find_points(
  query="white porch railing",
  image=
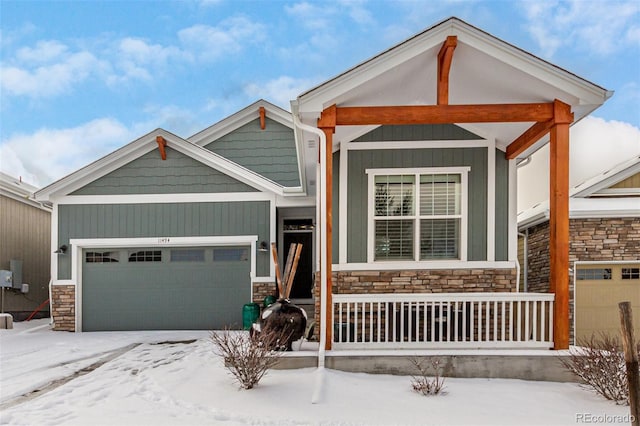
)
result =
(443, 320)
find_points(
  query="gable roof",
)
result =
(485, 70)
(143, 145)
(582, 204)
(18, 190)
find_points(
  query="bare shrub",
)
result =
(599, 363)
(424, 383)
(248, 358)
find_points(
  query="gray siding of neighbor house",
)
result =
(424, 132)
(502, 206)
(359, 161)
(270, 152)
(25, 234)
(163, 220)
(150, 174)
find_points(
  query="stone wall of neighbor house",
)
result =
(262, 290)
(599, 239)
(63, 307)
(418, 281)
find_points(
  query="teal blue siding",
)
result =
(417, 132)
(335, 218)
(270, 152)
(502, 206)
(150, 174)
(163, 220)
(359, 161)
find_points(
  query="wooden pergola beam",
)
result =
(445, 57)
(442, 114)
(561, 115)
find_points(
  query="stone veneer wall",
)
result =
(262, 290)
(598, 239)
(418, 281)
(63, 307)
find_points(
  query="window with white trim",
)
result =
(417, 215)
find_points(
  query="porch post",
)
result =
(559, 232)
(327, 123)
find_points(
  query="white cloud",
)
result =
(209, 43)
(44, 51)
(48, 80)
(279, 91)
(596, 146)
(595, 26)
(49, 154)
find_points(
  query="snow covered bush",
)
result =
(424, 383)
(248, 358)
(599, 363)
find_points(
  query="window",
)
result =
(594, 274)
(418, 215)
(187, 255)
(145, 256)
(102, 257)
(631, 273)
(230, 254)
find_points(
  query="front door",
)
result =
(303, 280)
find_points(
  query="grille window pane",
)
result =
(440, 195)
(394, 195)
(102, 257)
(187, 255)
(439, 239)
(394, 239)
(594, 274)
(146, 256)
(230, 254)
(631, 273)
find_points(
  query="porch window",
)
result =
(417, 214)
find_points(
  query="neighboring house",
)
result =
(25, 240)
(413, 219)
(604, 248)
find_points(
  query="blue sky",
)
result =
(82, 78)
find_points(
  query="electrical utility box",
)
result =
(16, 267)
(6, 279)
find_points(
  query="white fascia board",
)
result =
(100, 167)
(609, 178)
(323, 95)
(587, 92)
(239, 119)
(472, 143)
(163, 241)
(302, 201)
(221, 197)
(25, 199)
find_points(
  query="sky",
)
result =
(79, 79)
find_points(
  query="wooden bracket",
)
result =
(445, 56)
(263, 121)
(162, 144)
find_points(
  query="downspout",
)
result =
(323, 236)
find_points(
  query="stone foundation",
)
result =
(262, 290)
(419, 281)
(63, 307)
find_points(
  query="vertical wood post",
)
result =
(559, 232)
(631, 360)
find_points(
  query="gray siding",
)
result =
(502, 206)
(270, 152)
(417, 132)
(163, 220)
(150, 174)
(335, 218)
(359, 161)
(25, 234)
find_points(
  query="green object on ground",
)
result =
(269, 300)
(250, 314)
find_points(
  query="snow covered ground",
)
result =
(144, 378)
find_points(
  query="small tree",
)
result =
(248, 358)
(426, 384)
(599, 363)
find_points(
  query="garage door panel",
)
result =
(164, 295)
